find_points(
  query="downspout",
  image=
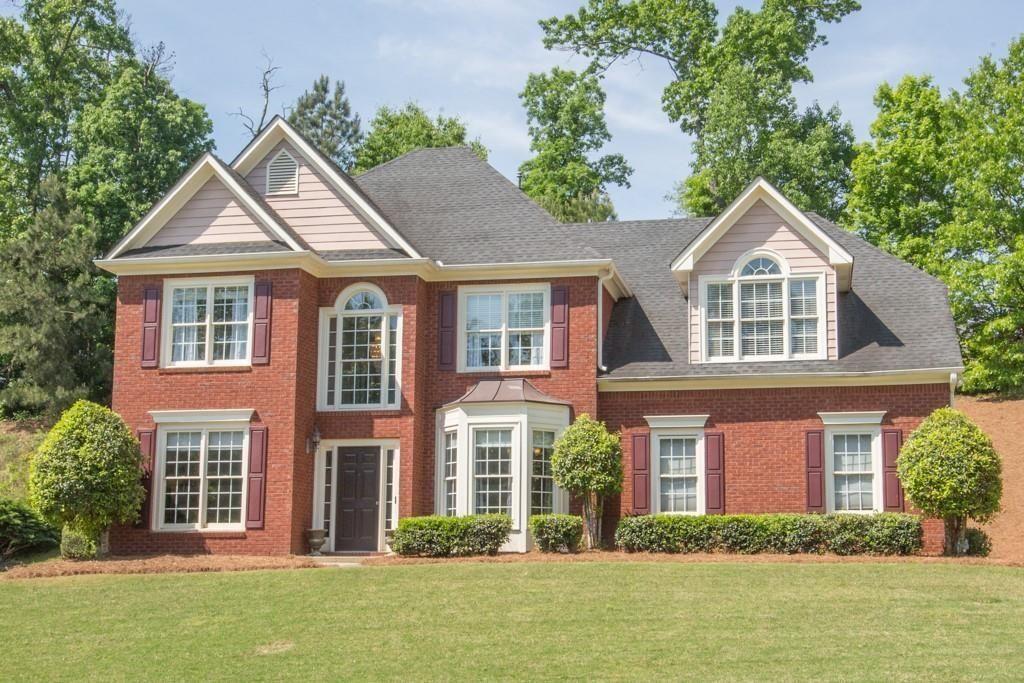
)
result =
(954, 379)
(603, 277)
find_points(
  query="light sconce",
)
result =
(313, 441)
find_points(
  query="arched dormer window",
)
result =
(283, 174)
(762, 311)
(360, 361)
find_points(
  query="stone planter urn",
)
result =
(316, 538)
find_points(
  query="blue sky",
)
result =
(471, 58)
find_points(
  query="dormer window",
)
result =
(283, 174)
(763, 311)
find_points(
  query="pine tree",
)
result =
(327, 120)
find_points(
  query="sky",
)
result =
(470, 58)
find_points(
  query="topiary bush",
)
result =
(949, 469)
(557, 533)
(87, 471)
(22, 529)
(437, 536)
(587, 462)
(77, 545)
(843, 534)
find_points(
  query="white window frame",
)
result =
(554, 487)
(734, 279)
(665, 427)
(167, 332)
(445, 510)
(337, 311)
(503, 290)
(869, 423)
(290, 193)
(163, 429)
(319, 473)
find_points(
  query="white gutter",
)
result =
(780, 379)
(600, 318)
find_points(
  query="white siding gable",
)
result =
(212, 215)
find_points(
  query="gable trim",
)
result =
(761, 189)
(205, 168)
(278, 129)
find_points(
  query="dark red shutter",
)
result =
(714, 473)
(816, 471)
(147, 447)
(261, 323)
(641, 474)
(892, 490)
(560, 326)
(151, 327)
(446, 330)
(257, 478)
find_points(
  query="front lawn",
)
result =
(623, 620)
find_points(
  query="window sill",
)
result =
(190, 369)
(359, 409)
(219, 533)
(538, 372)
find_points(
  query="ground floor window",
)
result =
(542, 487)
(492, 471)
(450, 473)
(390, 510)
(677, 474)
(853, 472)
(203, 478)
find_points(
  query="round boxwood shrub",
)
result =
(76, 544)
(86, 474)
(557, 533)
(22, 529)
(949, 469)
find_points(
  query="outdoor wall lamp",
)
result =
(313, 441)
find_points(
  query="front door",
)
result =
(358, 520)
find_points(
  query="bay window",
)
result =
(762, 312)
(207, 322)
(504, 328)
(542, 486)
(492, 471)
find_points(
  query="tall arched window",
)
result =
(361, 358)
(762, 311)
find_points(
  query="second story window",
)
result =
(763, 312)
(208, 322)
(360, 361)
(504, 328)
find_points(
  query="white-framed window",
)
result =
(677, 464)
(450, 472)
(328, 491)
(360, 357)
(283, 174)
(492, 471)
(762, 311)
(853, 461)
(504, 327)
(390, 500)
(202, 476)
(542, 484)
(207, 321)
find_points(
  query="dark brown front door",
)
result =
(358, 498)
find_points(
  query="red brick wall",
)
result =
(765, 468)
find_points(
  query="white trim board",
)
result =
(867, 417)
(777, 380)
(201, 416)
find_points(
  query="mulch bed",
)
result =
(159, 564)
(689, 558)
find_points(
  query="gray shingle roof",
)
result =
(894, 318)
(457, 209)
(362, 254)
(206, 249)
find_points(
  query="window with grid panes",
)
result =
(209, 324)
(362, 354)
(677, 474)
(542, 485)
(203, 478)
(504, 329)
(492, 471)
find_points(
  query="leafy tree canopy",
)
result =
(394, 132)
(326, 118)
(565, 114)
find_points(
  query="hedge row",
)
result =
(437, 536)
(842, 534)
(557, 533)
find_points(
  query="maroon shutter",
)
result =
(257, 477)
(446, 330)
(816, 471)
(261, 324)
(147, 447)
(892, 490)
(151, 327)
(641, 474)
(714, 472)
(560, 326)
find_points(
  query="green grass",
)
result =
(17, 441)
(626, 621)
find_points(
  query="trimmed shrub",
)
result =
(978, 543)
(77, 545)
(843, 534)
(587, 462)
(21, 529)
(436, 536)
(557, 533)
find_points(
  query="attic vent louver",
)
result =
(283, 174)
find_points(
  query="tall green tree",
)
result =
(731, 89)
(393, 132)
(130, 146)
(326, 118)
(55, 59)
(55, 312)
(566, 122)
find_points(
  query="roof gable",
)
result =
(195, 179)
(762, 191)
(279, 130)
(211, 216)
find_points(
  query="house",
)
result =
(297, 349)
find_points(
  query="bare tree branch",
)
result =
(267, 87)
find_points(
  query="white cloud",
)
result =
(498, 130)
